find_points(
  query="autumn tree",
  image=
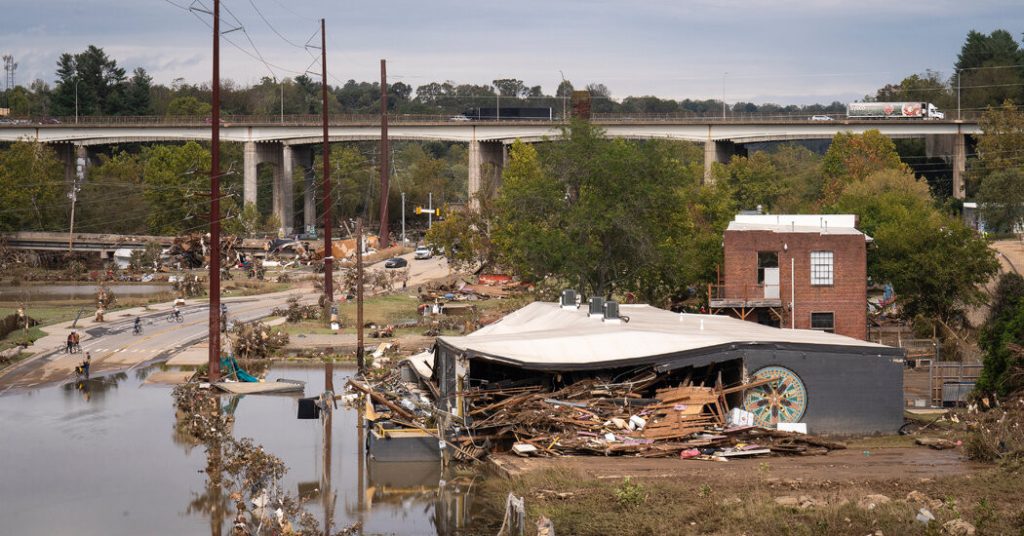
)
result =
(176, 182)
(852, 157)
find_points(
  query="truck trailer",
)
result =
(893, 110)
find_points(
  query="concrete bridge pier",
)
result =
(275, 154)
(302, 158)
(716, 151)
(76, 161)
(953, 150)
(486, 162)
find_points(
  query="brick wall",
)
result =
(846, 297)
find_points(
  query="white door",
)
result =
(771, 283)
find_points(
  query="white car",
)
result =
(423, 252)
(820, 118)
(460, 117)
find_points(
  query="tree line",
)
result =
(988, 71)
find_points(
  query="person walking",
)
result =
(71, 342)
(86, 364)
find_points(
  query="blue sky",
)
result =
(783, 51)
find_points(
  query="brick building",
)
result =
(803, 271)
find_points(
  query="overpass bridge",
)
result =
(286, 142)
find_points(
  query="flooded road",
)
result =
(103, 457)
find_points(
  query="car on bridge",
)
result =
(820, 118)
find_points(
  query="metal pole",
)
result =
(214, 327)
(328, 247)
(360, 365)
(76, 99)
(723, 94)
(71, 231)
(792, 293)
(430, 207)
(403, 218)
(384, 231)
(958, 95)
(282, 102)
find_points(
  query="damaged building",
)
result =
(832, 383)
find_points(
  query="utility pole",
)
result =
(360, 365)
(430, 207)
(403, 218)
(282, 102)
(74, 197)
(214, 328)
(328, 248)
(384, 231)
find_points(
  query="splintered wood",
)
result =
(682, 411)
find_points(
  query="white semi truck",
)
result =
(893, 110)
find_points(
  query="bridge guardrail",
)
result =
(374, 119)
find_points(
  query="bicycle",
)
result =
(172, 318)
(137, 329)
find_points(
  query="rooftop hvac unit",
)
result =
(568, 299)
(611, 312)
(596, 309)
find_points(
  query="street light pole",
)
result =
(958, 94)
(723, 94)
(77, 79)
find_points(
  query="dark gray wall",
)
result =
(846, 393)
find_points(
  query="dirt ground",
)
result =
(862, 490)
(858, 464)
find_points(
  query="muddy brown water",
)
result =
(103, 458)
(66, 292)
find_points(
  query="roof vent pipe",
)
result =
(596, 307)
(568, 299)
(611, 312)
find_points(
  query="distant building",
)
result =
(802, 271)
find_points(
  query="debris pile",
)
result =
(254, 340)
(295, 312)
(593, 416)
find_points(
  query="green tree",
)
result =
(177, 188)
(1003, 330)
(99, 82)
(928, 88)
(116, 181)
(754, 181)
(1001, 199)
(990, 69)
(586, 209)
(999, 144)
(914, 244)
(352, 180)
(32, 188)
(136, 97)
(190, 106)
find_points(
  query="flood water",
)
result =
(104, 458)
(85, 291)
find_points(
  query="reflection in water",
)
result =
(94, 388)
(140, 479)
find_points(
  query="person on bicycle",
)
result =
(71, 342)
(138, 325)
(177, 313)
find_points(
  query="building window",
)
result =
(824, 322)
(766, 259)
(821, 267)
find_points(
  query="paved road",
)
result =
(114, 348)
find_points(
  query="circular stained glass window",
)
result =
(783, 400)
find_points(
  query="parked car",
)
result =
(423, 252)
(396, 262)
